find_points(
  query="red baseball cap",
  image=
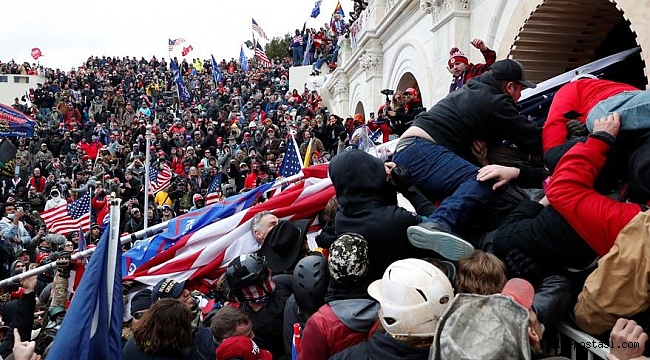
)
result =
(521, 291)
(241, 347)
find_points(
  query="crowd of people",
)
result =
(516, 227)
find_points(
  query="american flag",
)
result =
(201, 256)
(259, 30)
(212, 196)
(175, 42)
(65, 219)
(159, 180)
(259, 52)
(292, 163)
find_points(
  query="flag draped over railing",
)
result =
(201, 255)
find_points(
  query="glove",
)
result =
(63, 264)
(401, 179)
(519, 264)
(575, 129)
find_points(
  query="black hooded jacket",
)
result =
(368, 207)
(479, 110)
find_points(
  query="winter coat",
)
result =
(382, 347)
(337, 326)
(368, 207)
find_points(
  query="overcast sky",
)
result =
(68, 31)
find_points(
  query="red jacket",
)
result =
(325, 335)
(595, 217)
(580, 96)
(102, 206)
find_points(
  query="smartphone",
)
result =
(372, 115)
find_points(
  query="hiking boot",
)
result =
(433, 236)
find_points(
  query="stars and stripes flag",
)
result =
(212, 196)
(175, 42)
(201, 256)
(70, 217)
(259, 30)
(292, 163)
(159, 179)
(259, 52)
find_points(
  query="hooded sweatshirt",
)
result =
(368, 207)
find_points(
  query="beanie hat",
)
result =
(141, 301)
(348, 261)
(456, 55)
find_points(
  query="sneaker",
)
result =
(432, 236)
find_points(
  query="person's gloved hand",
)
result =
(519, 264)
(63, 264)
(401, 179)
(575, 129)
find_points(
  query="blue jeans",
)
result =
(437, 170)
(298, 52)
(633, 106)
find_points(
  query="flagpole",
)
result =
(147, 177)
(113, 248)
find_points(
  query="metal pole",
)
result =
(147, 180)
(142, 234)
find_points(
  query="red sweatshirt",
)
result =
(580, 96)
(595, 217)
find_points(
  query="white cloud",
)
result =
(69, 31)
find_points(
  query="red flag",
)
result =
(186, 50)
(201, 256)
(36, 53)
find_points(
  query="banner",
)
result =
(13, 123)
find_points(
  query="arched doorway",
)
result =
(560, 35)
(360, 110)
(406, 81)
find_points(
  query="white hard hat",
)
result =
(413, 294)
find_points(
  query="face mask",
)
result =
(11, 216)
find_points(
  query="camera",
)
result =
(387, 92)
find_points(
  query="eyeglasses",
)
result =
(38, 315)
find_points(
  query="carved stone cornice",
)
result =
(370, 61)
(441, 9)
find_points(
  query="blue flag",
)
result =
(217, 76)
(183, 93)
(93, 323)
(316, 11)
(242, 60)
(143, 250)
(215, 183)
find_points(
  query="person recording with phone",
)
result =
(13, 235)
(402, 118)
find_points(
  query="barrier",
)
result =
(578, 339)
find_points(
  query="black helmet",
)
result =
(246, 270)
(310, 281)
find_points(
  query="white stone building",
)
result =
(397, 44)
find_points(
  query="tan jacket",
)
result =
(620, 286)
